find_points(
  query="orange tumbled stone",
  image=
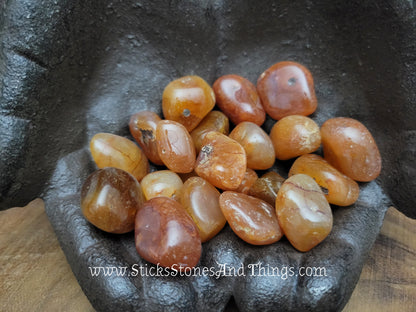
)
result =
(303, 212)
(110, 198)
(237, 97)
(257, 144)
(201, 200)
(267, 186)
(338, 188)
(252, 219)
(214, 121)
(161, 183)
(166, 235)
(222, 161)
(110, 150)
(295, 135)
(350, 148)
(143, 129)
(175, 146)
(187, 100)
(287, 88)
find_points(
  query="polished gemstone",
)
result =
(295, 135)
(287, 88)
(349, 146)
(257, 144)
(143, 129)
(222, 161)
(110, 150)
(252, 219)
(161, 183)
(214, 121)
(187, 100)
(175, 146)
(201, 200)
(110, 198)
(338, 188)
(166, 235)
(303, 212)
(237, 97)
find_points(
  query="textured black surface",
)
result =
(71, 69)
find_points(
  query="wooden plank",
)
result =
(34, 274)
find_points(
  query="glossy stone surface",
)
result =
(175, 146)
(110, 198)
(222, 161)
(214, 121)
(303, 212)
(164, 183)
(287, 88)
(257, 144)
(267, 186)
(349, 146)
(166, 235)
(143, 129)
(338, 188)
(110, 150)
(295, 135)
(187, 100)
(201, 201)
(237, 97)
(252, 219)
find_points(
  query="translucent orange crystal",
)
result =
(303, 212)
(237, 97)
(166, 235)
(222, 161)
(187, 100)
(252, 219)
(175, 146)
(338, 188)
(257, 144)
(201, 200)
(110, 150)
(287, 88)
(110, 198)
(350, 147)
(295, 135)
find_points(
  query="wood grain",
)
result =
(34, 274)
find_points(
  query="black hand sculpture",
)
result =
(71, 69)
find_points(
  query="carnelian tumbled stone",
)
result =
(166, 235)
(201, 200)
(303, 212)
(267, 186)
(287, 88)
(175, 146)
(350, 147)
(110, 150)
(257, 144)
(222, 161)
(295, 135)
(252, 219)
(237, 97)
(161, 183)
(214, 121)
(110, 198)
(143, 129)
(338, 188)
(187, 100)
